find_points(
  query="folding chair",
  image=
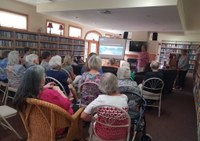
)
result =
(5, 113)
(51, 79)
(152, 90)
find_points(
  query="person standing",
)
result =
(183, 65)
(143, 59)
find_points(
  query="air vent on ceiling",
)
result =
(106, 12)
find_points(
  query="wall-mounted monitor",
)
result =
(135, 46)
(112, 47)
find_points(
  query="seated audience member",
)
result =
(124, 82)
(67, 66)
(32, 86)
(79, 60)
(27, 51)
(46, 56)
(109, 86)
(155, 71)
(31, 60)
(14, 70)
(125, 64)
(85, 66)
(112, 63)
(55, 72)
(3, 64)
(93, 75)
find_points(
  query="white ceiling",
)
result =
(125, 15)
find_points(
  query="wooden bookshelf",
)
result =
(196, 90)
(14, 39)
(172, 47)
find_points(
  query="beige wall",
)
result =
(36, 20)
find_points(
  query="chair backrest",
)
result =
(152, 88)
(89, 91)
(111, 123)
(51, 79)
(65, 71)
(136, 104)
(42, 120)
(153, 84)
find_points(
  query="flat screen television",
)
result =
(112, 48)
(135, 46)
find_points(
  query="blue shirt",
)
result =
(3, 64)
(60, 76)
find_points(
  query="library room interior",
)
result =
(99, 70)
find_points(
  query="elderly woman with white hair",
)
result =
(124, 81)
(31, 60)
(55, 63)
(14, 69)
(155, 71)
(56, 72)
(109, 86)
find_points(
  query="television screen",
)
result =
(111, 47)
(135, 46)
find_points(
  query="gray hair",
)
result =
(123, 72)
(108, 83)
(125, 64)
(94, 62)
(55, 61)
(30, 85)
(154, 65)
(31, 58)
(13, 58)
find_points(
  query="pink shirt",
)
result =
(143, 59)
(52, 96)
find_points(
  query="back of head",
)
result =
(94, 62)
(126, 64)
(112, 61)
(45, 54)
(55, 62)
(30, 86)
(67, 60)
(13, 58)
(32, 59)
(108, 83)
(123, 72)
(154, 65)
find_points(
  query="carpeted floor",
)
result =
(177, 121)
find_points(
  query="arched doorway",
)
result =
(92, 42)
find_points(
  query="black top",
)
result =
(156, 74)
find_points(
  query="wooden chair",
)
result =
(110, 123)
(152, 90)
(42, 120)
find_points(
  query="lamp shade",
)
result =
(50, 25)
(61, 27)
